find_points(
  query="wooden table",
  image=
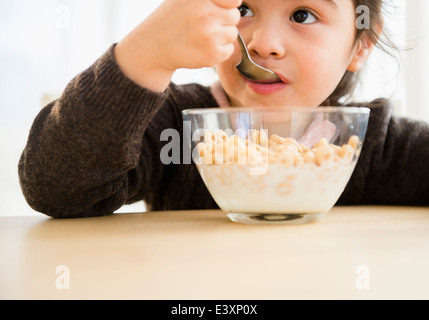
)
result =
(353, 253)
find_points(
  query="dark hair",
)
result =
(377, 35)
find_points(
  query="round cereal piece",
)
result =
(231, 151)
(291, 147)
(291, 177)
(271, 156)
(240, 157)
(233, 139)
(253, 155)
(210, 137)
(221, 136)
(304, 149)
(220, 153)
(292, 141)
(276, 139)
(255, 136)
(322, 143)
(201, 147)
(232, 146)
(263, 138)
(324, 154)
(337, 158)
(309, 157)
(279, 149)
(298, 160)
(324, 176)
(284, 189)
(286, 159)
(259, 137)
(336, 148)
(285, 148)
(265, 155)
(354, 142)
(347, 152)
(208, 157)
(272, 144)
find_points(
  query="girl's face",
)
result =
(309, 43)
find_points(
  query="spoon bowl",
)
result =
(250, 70)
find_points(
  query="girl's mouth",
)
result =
(264, 87)
(267, 87)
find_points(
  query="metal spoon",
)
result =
(250, 69)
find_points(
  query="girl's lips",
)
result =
(261, 87)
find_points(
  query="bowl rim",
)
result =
(328, 109)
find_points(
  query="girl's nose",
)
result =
(267, 41)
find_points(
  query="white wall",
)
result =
(383, 76)
(44, 43)
(417, 62)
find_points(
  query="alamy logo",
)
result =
(182, 149)
(62, 281)
(62, 21)
(363, 19)
(363, 277)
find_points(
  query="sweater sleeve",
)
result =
(97, 147)
(392, 168)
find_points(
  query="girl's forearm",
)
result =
(82, 147)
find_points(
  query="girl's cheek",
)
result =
(235, 58)
(227, 70)
(317, 65)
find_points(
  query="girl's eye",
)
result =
(303, 16)
(245, 11)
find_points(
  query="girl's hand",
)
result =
(179, 34)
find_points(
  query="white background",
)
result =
(45, 43)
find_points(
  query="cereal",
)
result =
(347, 151)
(272, 174)
(322, 143)
(284, 189)
(259, 137)
(354, 142)
(219, 148)
(275, 139)
(286, 159)
(309, 157)
(323, 153)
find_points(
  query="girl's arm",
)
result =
(97, 147)
(393, 166)
(82, 146)
(179, 34)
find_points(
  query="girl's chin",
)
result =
(249, 97)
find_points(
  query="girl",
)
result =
(98, 146)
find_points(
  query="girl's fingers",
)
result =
(231, 17)
(228, 4)
(230, 35)
(225, 52)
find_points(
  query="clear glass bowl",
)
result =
(276, 165)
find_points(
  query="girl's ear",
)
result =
(362, 51)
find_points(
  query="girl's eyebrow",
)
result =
(331, 3)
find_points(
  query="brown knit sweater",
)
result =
(98, 148)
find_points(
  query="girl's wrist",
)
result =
(141, 66)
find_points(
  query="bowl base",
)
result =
(275, 218)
